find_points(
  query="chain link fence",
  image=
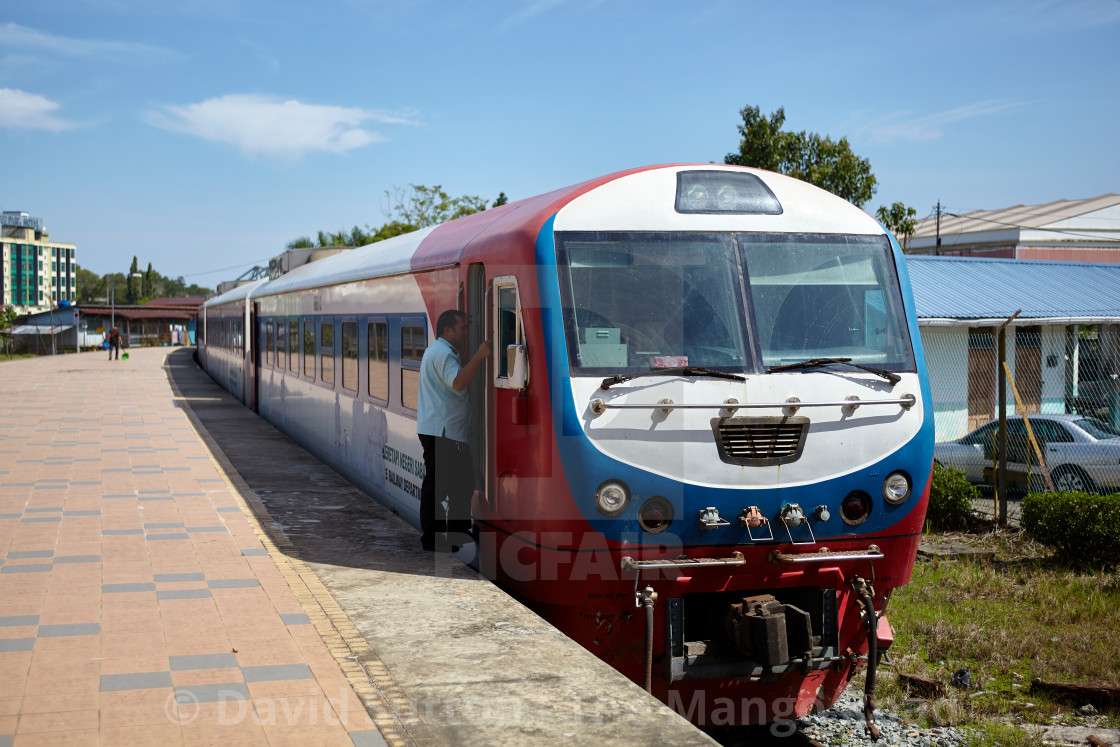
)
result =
(1065, 380)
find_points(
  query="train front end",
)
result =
(742, 421)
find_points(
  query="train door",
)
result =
(477, 296)
(253, 356)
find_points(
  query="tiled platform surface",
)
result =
(138, 604)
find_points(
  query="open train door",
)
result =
(476, 309)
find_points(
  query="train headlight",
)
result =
(855, 508)
(728, 192)
(655, 515)
(896, 488)
(612, 498)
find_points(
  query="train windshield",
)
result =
(826, 297)
(636, 302)
(633, 302)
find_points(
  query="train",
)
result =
(704, 439)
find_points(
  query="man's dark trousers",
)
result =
(448, 471)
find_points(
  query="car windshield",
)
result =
(1097, 428)
(639, 301)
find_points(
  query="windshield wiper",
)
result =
(680, 370)
(814, 362)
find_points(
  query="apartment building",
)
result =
(35, 272)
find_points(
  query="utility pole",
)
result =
(937, 248)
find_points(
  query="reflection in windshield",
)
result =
(824, 297)
(635, 302)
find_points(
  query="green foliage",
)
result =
(133, 293)
(113, 287)
(1083, 529)
(10, 316)
(409, 210)
(423, 206)
(804, 155)
(950, 499)
(899, 220)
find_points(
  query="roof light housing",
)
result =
(723, 193)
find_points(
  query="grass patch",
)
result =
(1019, 617)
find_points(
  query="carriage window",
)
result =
(270, 344)
(350, 356)
(379, 360)
(413, 341)
(309, 348)
(326, 346)
(281, 345)
(293, 345)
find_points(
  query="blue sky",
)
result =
(202, 136)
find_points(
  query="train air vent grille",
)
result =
(760, 441)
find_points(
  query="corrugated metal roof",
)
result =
(972, 288)
(1019, 216)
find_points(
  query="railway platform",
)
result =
(173, 570)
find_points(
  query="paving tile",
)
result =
(183, 594)
(175, 577)
(274, 672)
(77, 559)
(233, 583)
(31, 554)
(16, 644)
(211, 693)
(53, 703)
(203, 661)
(135, 681)
(16, 621)
(26, 568)
(368, 738)
(46, 631)
(169, 536)
(65, 721)
(295, 618)
(123, 588)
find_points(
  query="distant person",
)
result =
(443, 424)
(113, 340)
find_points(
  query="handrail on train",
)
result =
(599, 406)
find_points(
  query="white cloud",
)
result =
(13, 35)
(910, 127)
(20, 110)
(264, 125)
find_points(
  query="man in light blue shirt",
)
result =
(443, 426)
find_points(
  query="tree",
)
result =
(423, 206)
(10, 317)
(804, 155)
(147, 285)
(303, 242)
(90, 286)
(134, 270)
(502, 200)
(899, 219)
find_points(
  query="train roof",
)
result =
(627, 200)
(236, 294)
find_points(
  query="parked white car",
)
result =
(1082, 453)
